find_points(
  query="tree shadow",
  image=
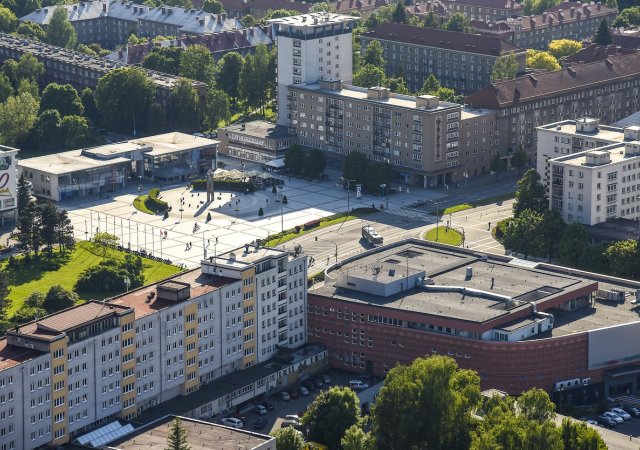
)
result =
(27, 269)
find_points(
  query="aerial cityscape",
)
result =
(319, 225)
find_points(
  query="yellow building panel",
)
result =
(249, 295)
(191, 371)
(128, 364)
(59, 385)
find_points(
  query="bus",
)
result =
(371, 235)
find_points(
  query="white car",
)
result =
(285, 396)
(293, 417)
(613, 416)
(232, 422)
(592, 422)
(260, 409)
(621, 412)
(357, 384)
(303, 390)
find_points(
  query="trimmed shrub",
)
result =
(311, 224)
(153, 203)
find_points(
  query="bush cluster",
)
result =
(153, 203)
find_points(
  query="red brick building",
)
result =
(517, 326)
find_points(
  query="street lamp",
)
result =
(281, 188)
(348, 192)
(181, 206)
(437, 217)
(336, 245)
(383, 187)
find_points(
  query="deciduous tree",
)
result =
(294, 160)
(62, 97)
(184, 106)
(31, 30)
(541, 60)
(505, 68)
(399, 13)
(58, 298)
(458, 22)
(560, 48)
(288, 439)
(123, 97)
(426, 405)
(369, 76)
(331, 413)
(17, 116)
(530, 194)
(8, 20)
(48, 222)
(212, 6)
(430, 85)
(356, 439)
(373, 54)
(197, 63)
(74, 131)
(228, 75)
(217, 108)
(60, 32)
(163, 59)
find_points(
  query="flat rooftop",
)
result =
(240, 258)
(616, 151)
(11, 356)
(200, 435)
(468, 112)
(200, 283)
(173, 142)
(68, 162)
(260, 129)
(68, 319)
(479, 298)
(312, 20)
(604, 132)
(356, 92)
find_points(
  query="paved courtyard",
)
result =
(234, 216)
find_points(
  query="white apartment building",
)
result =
(597, 185)
(310, 47)
(89, 364)
(572, 136)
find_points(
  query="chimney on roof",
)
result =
(163, 10)
(572, 11)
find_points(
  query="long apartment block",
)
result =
(110, 22)
(67, 372)
(83, 71)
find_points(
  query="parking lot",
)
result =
(295, 406)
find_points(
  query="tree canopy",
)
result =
(31, 30)
(530, 194)
(123, 97)
(63, 98)
(197, 63)
(629, 17)
(560, 48)
(184, 106)
(60, 32)
(330, 414)
(212, 6)
(369, 76)
(505, 68)
(288, 439)
(426, 405)
(228, 74)
(177, 438)
(8, 20)
(373, 54)
(458, 22)
(541, 60)
(603, 35)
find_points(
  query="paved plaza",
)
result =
(234, 216)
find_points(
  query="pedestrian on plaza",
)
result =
(489, 226)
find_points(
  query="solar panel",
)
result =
(105, 434)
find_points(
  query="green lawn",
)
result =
(445, 236)
(34, 277)
(288, 235)
(456, 208)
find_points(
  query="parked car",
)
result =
(326, 378)
(310, 385)
(635, 412)
(292, 417)
(318, 381)
(621, 412)
(269, 406)
(357, 384)
(303, 390)
(240, 417)
(259, 424)
(285, 396)
(289, 423)
(613, 416)
(231, 422)
(260, 409)
(606, 421)
(591, 422)
(294, 393)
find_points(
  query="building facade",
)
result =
(68, 372)
(460, 61)
(574, 136)
(518, 327)
(83, 71)
(569, 20)
(164, 158)
(8, 188)
(110, 22)
(488, 10)
(255, 141)
(310, 47)
(607, 90)
(594, 186)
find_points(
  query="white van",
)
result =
(357, 384)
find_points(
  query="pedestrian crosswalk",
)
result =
(412, 214)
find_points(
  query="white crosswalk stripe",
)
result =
(412, 214)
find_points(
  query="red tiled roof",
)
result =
(465, 42)
(575, 78)
(626, 41)
(562, 13)
(435, 6)
(595, 52)
(501, 4)
(357, 5)
(11, 356)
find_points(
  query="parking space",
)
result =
(272, 420)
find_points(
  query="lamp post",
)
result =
(437, 218)
(348, 193)
(181, 207)
(336, 245)
(86, 231)
(281, 188)
(383, 187)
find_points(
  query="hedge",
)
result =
(223, 184)
(154, 203)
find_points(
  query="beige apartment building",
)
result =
(69, 372)
(427, 141)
